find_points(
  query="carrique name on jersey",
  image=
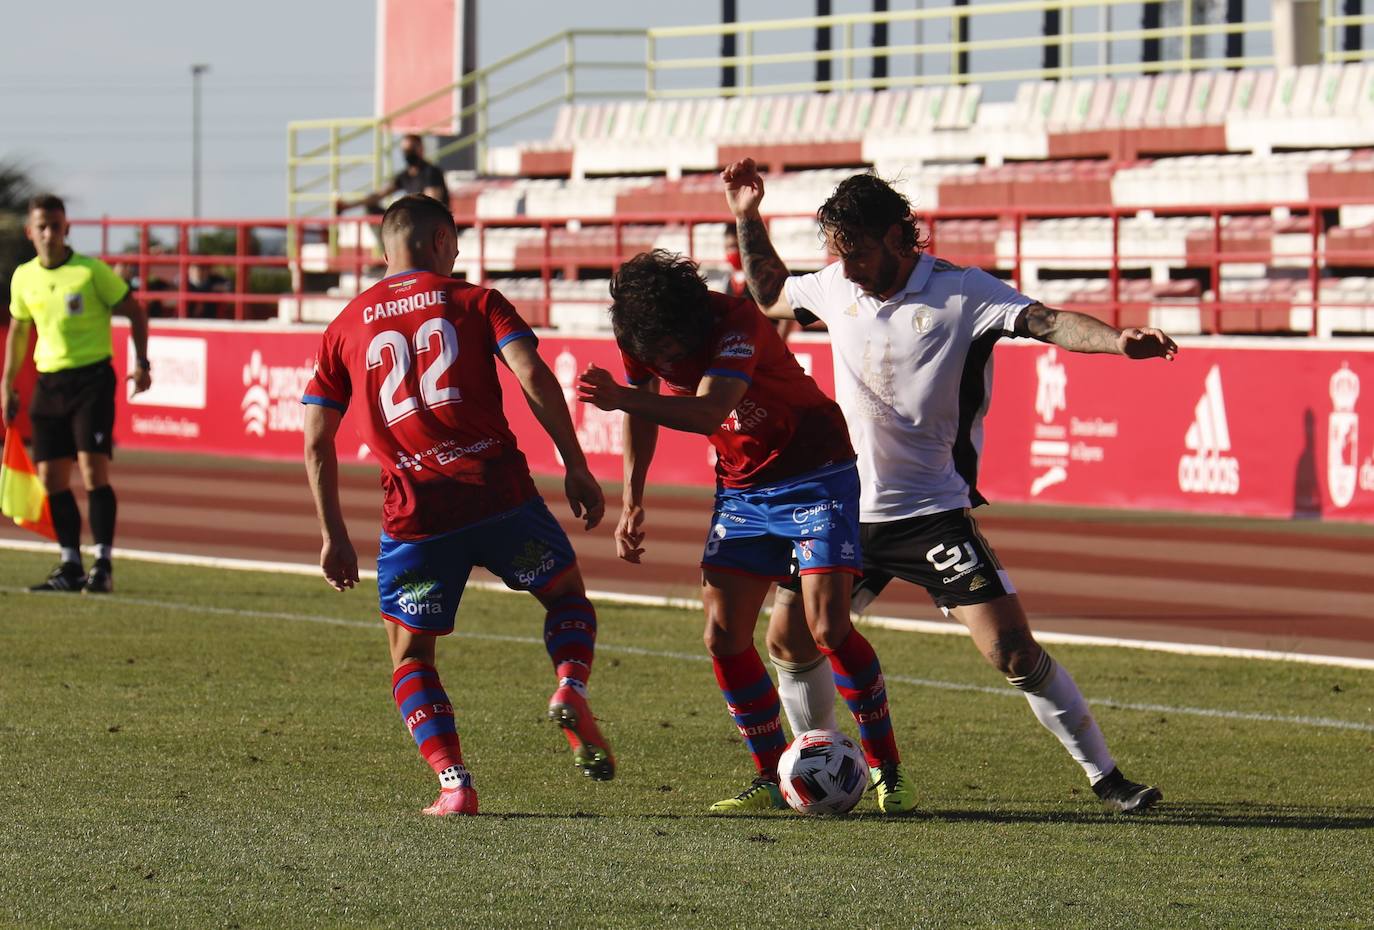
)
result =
(403, 305)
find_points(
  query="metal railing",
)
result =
(239, 300)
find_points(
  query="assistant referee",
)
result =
(70, 299)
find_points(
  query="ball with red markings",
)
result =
(822, 772)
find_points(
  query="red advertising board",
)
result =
(1254, 427)
(418, 44)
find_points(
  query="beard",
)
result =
(884, 277)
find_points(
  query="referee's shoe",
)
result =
(67, 576)
(100, 579)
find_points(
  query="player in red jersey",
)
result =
(786, 483)
(418, 351)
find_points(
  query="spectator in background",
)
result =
(735, 284)
(417, 177)
(203, 280)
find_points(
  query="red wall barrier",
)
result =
(1237, 427)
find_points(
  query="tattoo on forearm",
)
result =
(1076, 332)
(764, 271)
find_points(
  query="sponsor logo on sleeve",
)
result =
(1207, 468)
(736, 345)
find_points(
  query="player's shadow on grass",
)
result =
(1191, 814)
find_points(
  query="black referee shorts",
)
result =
(73, 411)
(941, 552)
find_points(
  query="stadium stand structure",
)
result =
(1174, 199)
(1204, 198)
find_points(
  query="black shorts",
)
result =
(942, 552)
(73, 411)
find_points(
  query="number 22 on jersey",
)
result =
(394, 409)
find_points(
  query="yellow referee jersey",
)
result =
(70, 307)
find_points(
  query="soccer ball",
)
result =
(822, 772)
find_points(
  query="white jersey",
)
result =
(913, 375)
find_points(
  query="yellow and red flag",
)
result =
(22, 497)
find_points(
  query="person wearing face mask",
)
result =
(417, 177)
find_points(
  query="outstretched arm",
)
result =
(545, 397)
(1078, 332)
(763, 269)
(702, 413)
(338, 561)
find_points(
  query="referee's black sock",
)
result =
(102, 504)
(66, 520)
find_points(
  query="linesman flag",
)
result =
(22, 497)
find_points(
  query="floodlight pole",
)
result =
(196, 71)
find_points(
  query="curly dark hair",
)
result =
(657, 296)
(866, 206)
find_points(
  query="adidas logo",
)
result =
(1206, 470)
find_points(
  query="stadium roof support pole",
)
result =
(879, 41)
(1151, 19)
(822, 44)
(728, 17)
(1352, 38)
(1235, 41)
(962, 31)
(1050, 27)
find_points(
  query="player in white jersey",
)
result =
(912, 340)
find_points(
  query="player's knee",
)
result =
(720, 640)
(830, 629)
(1014, 653)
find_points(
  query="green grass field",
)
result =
(219, 749)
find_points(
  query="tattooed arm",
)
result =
(1079, 332)
(763, 269)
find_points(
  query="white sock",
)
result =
(455, 776)
(71, 554)
(807, 692)
(104, 551)
(1059, 706)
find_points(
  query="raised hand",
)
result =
(743, 187)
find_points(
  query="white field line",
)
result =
(1211, 712)
(650, 600)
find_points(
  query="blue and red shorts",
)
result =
(420, 583)
(814, 518)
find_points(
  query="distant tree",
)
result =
(16, 187)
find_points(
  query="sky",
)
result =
(97, 105)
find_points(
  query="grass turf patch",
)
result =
(219, 749)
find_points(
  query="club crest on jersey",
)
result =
(922, 320)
